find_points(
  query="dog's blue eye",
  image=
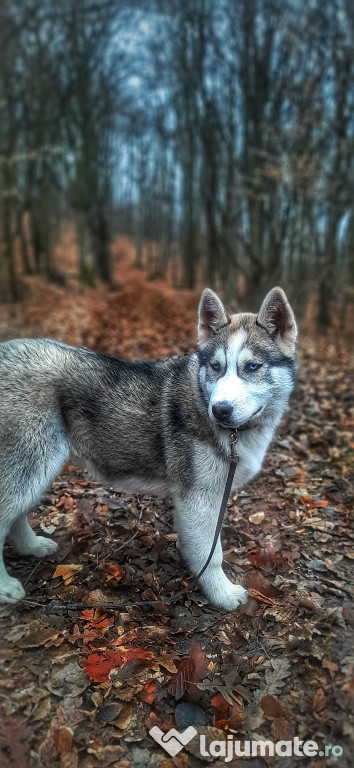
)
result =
(252, 367)
(215, 367)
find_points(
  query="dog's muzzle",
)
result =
(222, 413)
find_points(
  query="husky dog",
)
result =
(159, 427)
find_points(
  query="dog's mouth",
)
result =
(243, 425)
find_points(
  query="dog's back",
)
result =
(27, 368)
(57, 400)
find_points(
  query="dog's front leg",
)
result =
(195, 519)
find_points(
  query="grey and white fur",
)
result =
(159, 427)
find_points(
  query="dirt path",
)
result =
(82, 686)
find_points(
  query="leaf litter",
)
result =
(83, 679)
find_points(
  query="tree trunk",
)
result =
(101, 245)
(86, 256)
(35, 235)
(27, 268)
(323, 312)
(10, 289)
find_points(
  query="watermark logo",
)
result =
(228, 748)
(173, 741)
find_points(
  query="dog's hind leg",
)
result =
(11, 590)
(26, 470)
(26, 542)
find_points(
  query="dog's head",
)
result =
(246, 361)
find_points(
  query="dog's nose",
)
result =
(222, 411)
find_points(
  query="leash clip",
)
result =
(233, 446)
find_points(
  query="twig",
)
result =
(83, 606)
(32, 572)
(110, 606)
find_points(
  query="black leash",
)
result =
(233, 464)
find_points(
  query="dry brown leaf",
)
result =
(15, 741)
(189, 673)
(271, 706)
(257, 518)
(67, 572)
(32, 635)
(319, 700)
(63, 739)
(124, 718)
(276, 677)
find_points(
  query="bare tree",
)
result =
(221, 134)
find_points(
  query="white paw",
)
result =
(223, 593)
(42, 547)
(231, 598)
(11, 590)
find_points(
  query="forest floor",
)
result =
(104, 646)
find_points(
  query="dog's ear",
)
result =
(211, 315)
(277, 318)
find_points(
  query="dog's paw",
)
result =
(42, 547)
(223, 593)
(231, 598)
(11, 590)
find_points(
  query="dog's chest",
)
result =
(251, 449)
(211, 469)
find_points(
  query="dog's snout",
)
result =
(222, 411)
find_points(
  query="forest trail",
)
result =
(82, 686)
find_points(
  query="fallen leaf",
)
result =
(32, 635)
(108, 713)
(310, 501)
(189, 673)
(67, 572)
(135, 653)
(275, 677)
(65, 502)
(15, 741)
(271, 707)
(237, 715)
(262, 585)
(319, 700)
(98, 665)
(123, 721)
(222, 706)
(149, 691)
(68, 680)
(257, 518)
(63, 739)
(114, 573)
(265, 556)
(97, 618)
